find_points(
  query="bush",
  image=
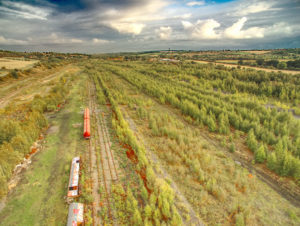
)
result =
(14, 74)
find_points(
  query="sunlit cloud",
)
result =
(236, 31)
(196, 3)
(164, 33)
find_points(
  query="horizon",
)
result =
(138, 26)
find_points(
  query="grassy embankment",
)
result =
(39, 197)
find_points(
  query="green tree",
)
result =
(148, 212)
(211, 124)
(260, 154)
(251, 141)
(282, 65)
(232, 147)
(144, 194)
(272, 161)
(136, 218)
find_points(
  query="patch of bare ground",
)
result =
(33, 83)
(182, 203)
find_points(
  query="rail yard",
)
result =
(142, 143)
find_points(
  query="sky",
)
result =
(101, 26)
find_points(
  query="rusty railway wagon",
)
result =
(73, 186)
(75, 216)
(87, 126)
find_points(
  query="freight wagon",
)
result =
(75, 216)
(73, 187)
(86, 128)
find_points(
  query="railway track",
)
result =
(103, 165)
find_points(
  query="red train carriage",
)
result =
(87, 128)
(75, 216)
(73, 187)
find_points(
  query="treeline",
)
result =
(158, 196)
(21, 125)
(221, 112)
(290, 64)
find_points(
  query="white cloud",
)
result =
(202, 29)
(9, 41)
(187, 25)
(75, 40)
(54, 38)
(130, 28)
(164, 33)
(254, 7)
(235, 31)
(195, 3)
(100, 41)
(24, 10)
(133, 20)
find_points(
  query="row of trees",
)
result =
(219, 112)
(158, 195)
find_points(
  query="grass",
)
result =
(9, 63)
(39, 197)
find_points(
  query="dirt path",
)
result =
(248, 67)
(30, 81)
(106, 169)
(162, 173)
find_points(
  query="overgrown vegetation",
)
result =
(158, 196)
(21, 125)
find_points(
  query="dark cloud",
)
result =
(133, 25)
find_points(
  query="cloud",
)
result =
(9, 41)
(24, 10)
(54, 38)
(251, 7)
(187, 25)
(129, 28)
(235, 31)
(196, 3)
(100, 41)
(75, 40)
(132, 20)
(202, 29)
(164, 33)
(282, 29)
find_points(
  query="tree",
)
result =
(144, 194)
(232, 147)
(148, 212)
(211, 124)
(281, 65)
(136, 218)
(260, 62)
(251, 141)
(260, 154)
(272, 161)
